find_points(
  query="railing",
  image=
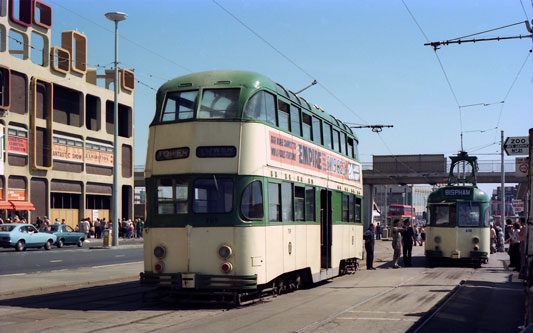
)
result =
(484, 166)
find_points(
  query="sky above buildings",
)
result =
(368, 57)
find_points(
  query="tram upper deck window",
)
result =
(443, 215)
(350, 147)
(283, 115)
(180, 105)
(219, 104)
(261, 106)
(252, 201)
(306, 124)
(343, 143)
(469, 214)
(327, 134)
(317, 130)
(295, 120)
(336, 144)
(212, 195)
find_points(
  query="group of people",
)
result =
(514, 234)
(404, 236)
(126, 227)
(13, 219)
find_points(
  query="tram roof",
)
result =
(248, 79)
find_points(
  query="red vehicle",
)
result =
(402, 212)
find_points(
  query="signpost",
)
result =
(516, 145)
(518, 206)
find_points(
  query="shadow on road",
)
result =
(126, 296)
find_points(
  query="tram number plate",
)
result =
(468, 230)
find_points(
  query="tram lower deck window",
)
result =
(213, 195)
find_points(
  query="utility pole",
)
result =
(502, 189)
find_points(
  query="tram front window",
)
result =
(219, 104)
(213, 195)
(180, 105)
(443, 215)
(469, 214)
(172, 196)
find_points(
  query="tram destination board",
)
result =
(516, 145)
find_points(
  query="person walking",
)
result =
(368, 236)
(378, 231)
(514, 246)
(396, 243)
(408, 237)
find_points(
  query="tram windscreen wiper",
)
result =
(216, 183)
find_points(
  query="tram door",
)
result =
(325, 229)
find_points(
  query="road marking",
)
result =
(16, 274)
(390, 319)
(56, 260)
(120, 255)
(126, 263)
(353, 311)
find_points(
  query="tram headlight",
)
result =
(225, 252)
(160, 252)
(226, 267)
(159, 267)
(437, 239)
(475, 240)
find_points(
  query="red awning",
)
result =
(5, 205)
(21, 205)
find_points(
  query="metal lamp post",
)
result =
(115, 17)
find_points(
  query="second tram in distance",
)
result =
(248, 187)
(458, 227)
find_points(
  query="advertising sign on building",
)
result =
(66, 149)
(17, 144)
(522, 166)
(98, 154)
(518, 206)
(16, 195)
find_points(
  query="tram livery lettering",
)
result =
(294, 152)
(458, 192)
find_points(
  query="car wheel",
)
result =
(60, 243)
(80, 243)
(48, 245)
(20, 246)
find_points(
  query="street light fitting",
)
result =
(116, 16)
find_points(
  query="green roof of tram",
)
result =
(439, 194)
(218, 78)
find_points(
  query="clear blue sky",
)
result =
(369, 53)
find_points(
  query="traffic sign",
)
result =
(521, 166)
(516, 145)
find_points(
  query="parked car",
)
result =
(66, 235)
(22, 236)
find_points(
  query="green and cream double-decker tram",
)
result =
(248, 187)
(459, 214)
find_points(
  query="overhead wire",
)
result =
(441, 66)
(323, 86)
(524, 9)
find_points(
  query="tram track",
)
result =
(338, 314)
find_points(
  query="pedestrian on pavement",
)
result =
(422, 235)
(378, 231)
(368, 236)
(493, 239)
(396, 243)
(98, 228)
(523, 255)
(408, 237)
(514, 246)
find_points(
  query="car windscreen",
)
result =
(54, 228)
(6, 228)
